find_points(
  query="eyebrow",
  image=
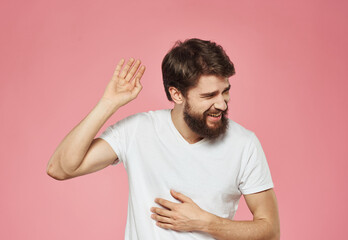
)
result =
(211, 94)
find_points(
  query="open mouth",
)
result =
(214, 115)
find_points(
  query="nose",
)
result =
(220, 104)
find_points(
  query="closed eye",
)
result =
(209, 95)
(215, 93)
(227, 89)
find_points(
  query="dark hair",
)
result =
(187, 61)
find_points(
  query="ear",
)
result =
(176, 95)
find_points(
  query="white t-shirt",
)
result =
(157, 158)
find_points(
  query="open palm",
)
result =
(125, 83)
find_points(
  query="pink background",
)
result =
(290, 89)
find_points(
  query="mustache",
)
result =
(216, 112)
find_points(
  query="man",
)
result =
(188, 166)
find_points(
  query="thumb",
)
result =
(137, 87)
(179, 196)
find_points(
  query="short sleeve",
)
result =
(256, 176)
(118, 136)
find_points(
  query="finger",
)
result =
(137, 88)
(162, 219)
(136, 83)
(126, 68)
(165, 203)
(161, 211)
(181, 197)
(133, 70)
(118, 68)
(140, 73)
(166, 226)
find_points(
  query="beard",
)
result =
(198, 123)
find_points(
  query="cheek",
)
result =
(202, 106)
(208, 105)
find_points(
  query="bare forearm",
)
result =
(226, 229)
(71, 151)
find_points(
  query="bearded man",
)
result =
(187, 166)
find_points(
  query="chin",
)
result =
(213, 125)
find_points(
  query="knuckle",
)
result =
(176, 208)
(163, 212)
(175, 216)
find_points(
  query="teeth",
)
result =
(215, 115)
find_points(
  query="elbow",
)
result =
(271, 230)
(55, 172)
(276, 235)
(276, 232)
(55, 176)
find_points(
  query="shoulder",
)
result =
(238, 132)
(236, 137)
(244, 137)
(157, 114)
(150, 114)
(143, 118)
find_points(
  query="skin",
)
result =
(80, 153)
(211, 93)
(188, 216)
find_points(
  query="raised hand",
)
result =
(125, 83)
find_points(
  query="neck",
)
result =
(180, 124)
